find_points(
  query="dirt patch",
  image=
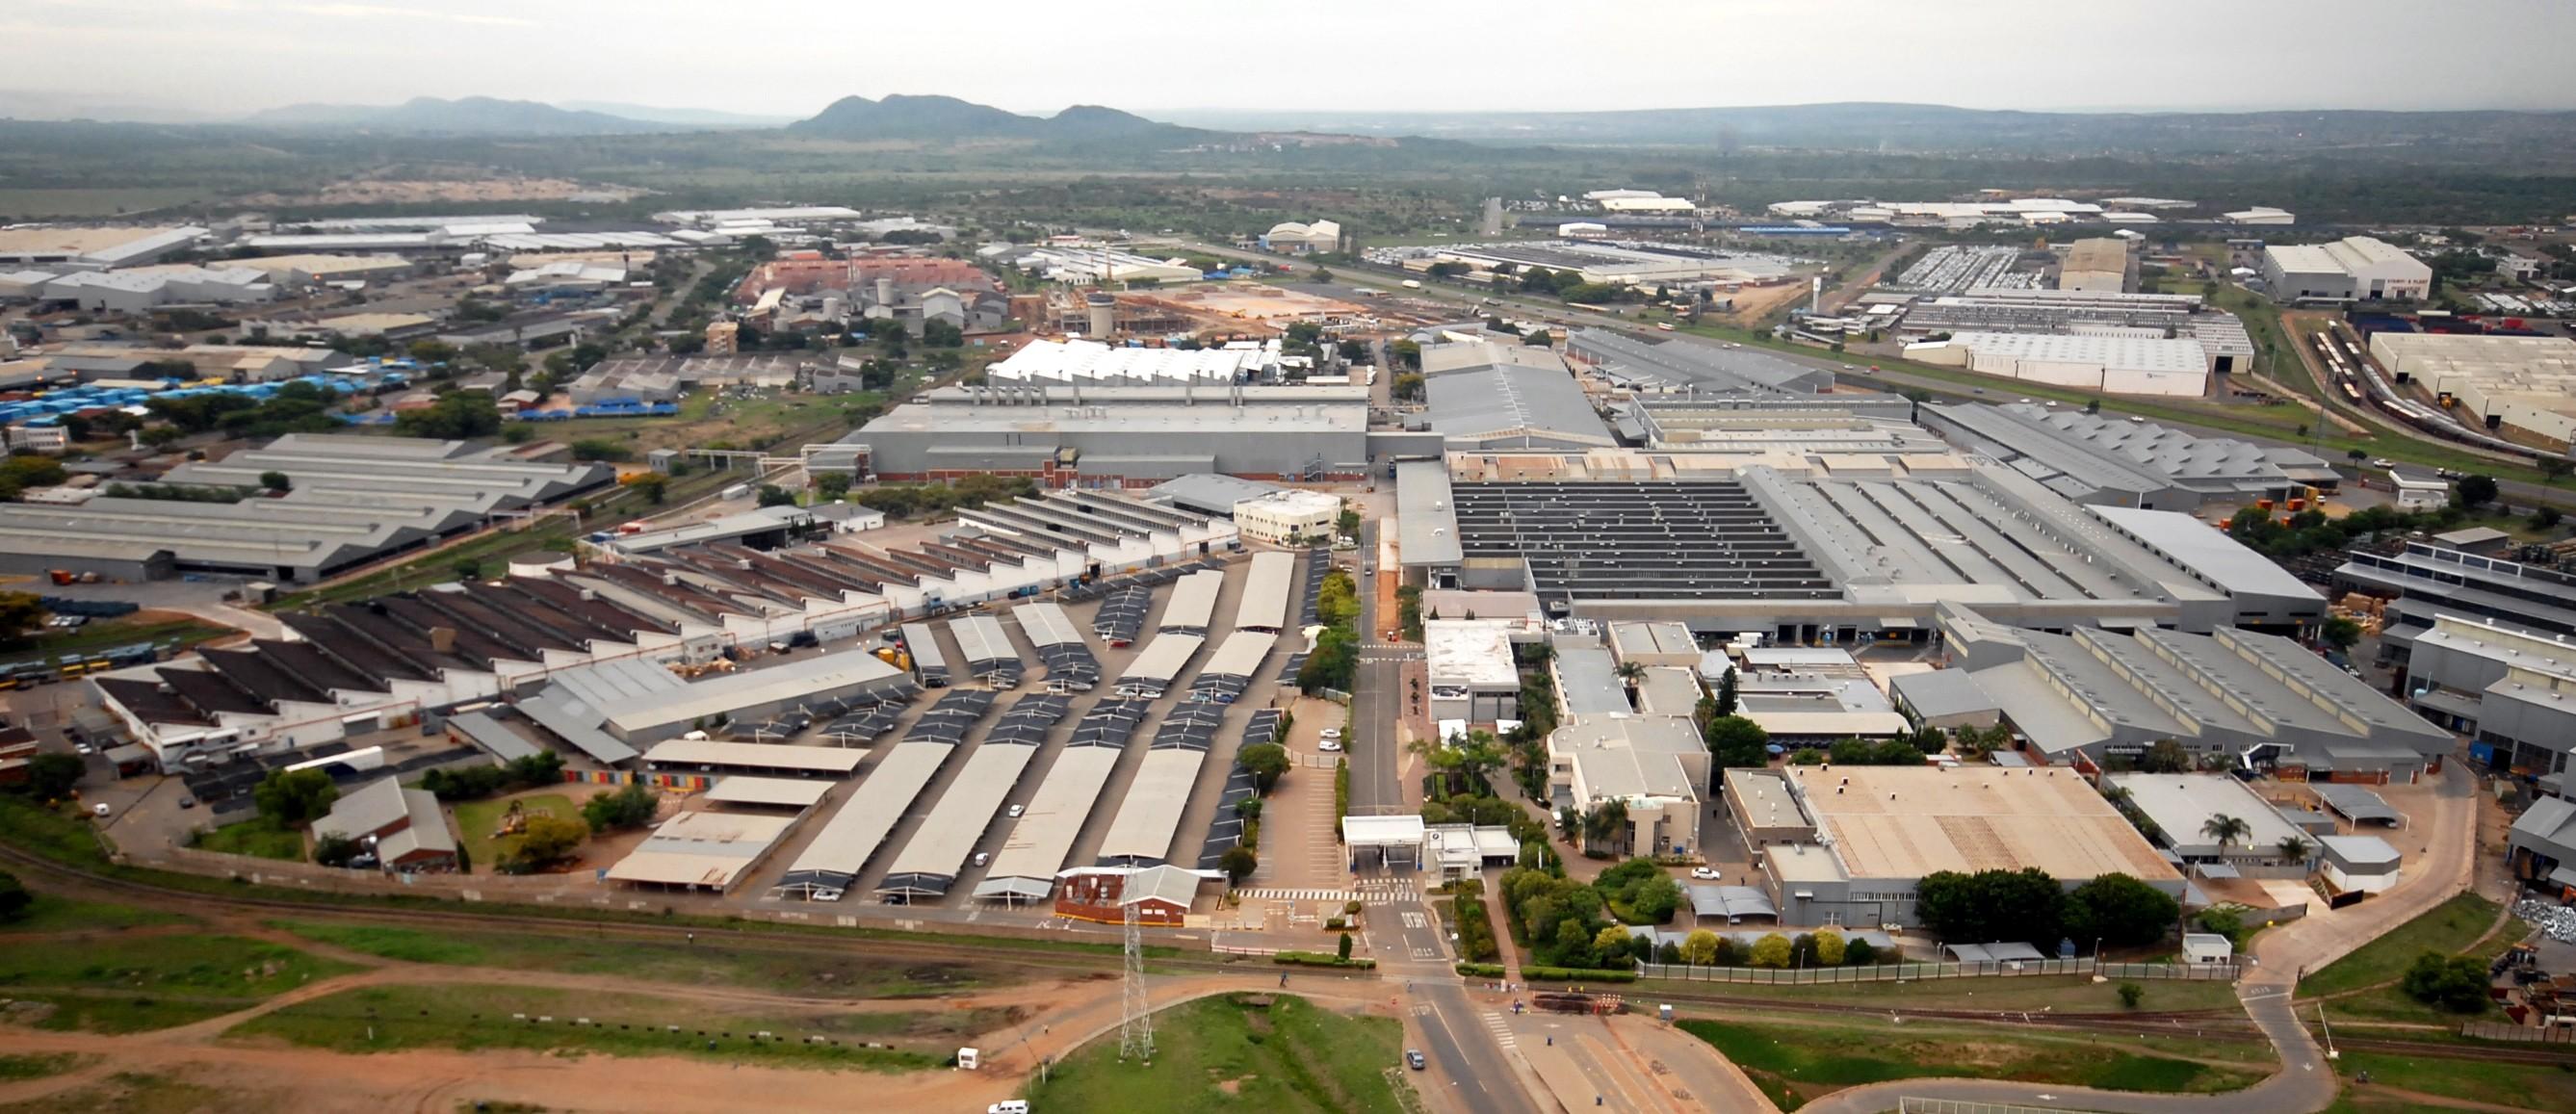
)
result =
(393, 191)
(1232, 1086)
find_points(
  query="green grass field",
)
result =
(2063, 993)
(39, 1066)
(2528, 1086)
(1221, 1053)
(477, 820)
(211, 966)
(392, 1018)
(87, 203)
(103, 1012)
(48, 913)
(2448, 928)
(255, 837)
(770, 965)
(1795, 1063)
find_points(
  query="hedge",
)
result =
(1577, 974)
(1481, 970)
(1320, 959)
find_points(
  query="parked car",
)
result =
(1706, 873)
(1328, 745)
(187, 802)
(2382, 462)
(98, 810)
(1413, 1058)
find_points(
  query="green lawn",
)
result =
(1795, 1063)
(259, 837)
(392, 1018)
(2064, 993)
(2530, 1086)
(103, 1012)
(48, 913)
(1230, 1053)
(776, 966)
(477, 820)
(2447, 928)
(212, 966)
(39, 1066)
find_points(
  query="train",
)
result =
(2362, 385)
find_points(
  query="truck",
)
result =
(737, 491)
(1413, 284)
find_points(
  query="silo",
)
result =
(1104, 315)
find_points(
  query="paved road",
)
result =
(1376, 787)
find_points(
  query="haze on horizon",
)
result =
(218, 58)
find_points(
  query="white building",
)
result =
(2420, 493)
(1280, 516)
(1473, 677)
(2353, 269)
(2135, 365)
(1099, 266)
(1295, 238)
(1090, 361)
(2261, 214)
(2506, 382)
(143, 289)
(1648, 204)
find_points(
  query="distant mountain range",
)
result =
(462, 116)
(1930, 128)
(685, 117)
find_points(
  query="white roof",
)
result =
(763, 756)
(701, 849)
(1164, 658)
(732, 692)
(1150, 817)
(2180, 803)
(1240, 655)
(940, 846)
(743, 790)
(1085, 361)
(2119, 353)
(1382, 831)
(1193, 603)
(1046, 624)
(1264, 602)
(854, 833)
(1470, 652)
(1043, 835)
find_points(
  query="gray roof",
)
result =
(1703, 367)
(2181, 804)
(2355, 802)
(1941, 692)
(1511, 403)
(2207, 553)
(1210, 492)
(2550, 822)
(1426, 522)
(1731, 901)
(492, 735)
(364, 811)
(1588, 681)
(2358, 850)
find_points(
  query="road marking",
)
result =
(1502, 1031)
(1414, 919)
(1298, 895)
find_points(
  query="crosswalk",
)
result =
(1298, 895)
(1384, 890)
(1414, 919)
(1502, 1031)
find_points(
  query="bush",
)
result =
(1576, 974)
(1475, 928)
(1319, 959)
(2131, 994)
(1481, 970)
(2456, 983)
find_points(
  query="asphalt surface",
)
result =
(1376, 788)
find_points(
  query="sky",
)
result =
(791, 57)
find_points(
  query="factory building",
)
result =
(1123, 436)
(1654, 764)
(1696, 368)
(1630, 263)
(1091, 362)
(2353, 269)
(1283, 518)
(74, 248)
(1473, 678)
(2512, 691)
(2099, 460)
(2523, 387)
(1293, 238)
(144, 289)
(2097, 266)
(2426, 581)
(352, 501)
(1484, 396)
(2131, 365)
(1848, 845)
(2236, 696)
(1096, 266)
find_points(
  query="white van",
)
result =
(1008, 1106)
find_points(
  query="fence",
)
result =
(1910, 972)
(1960, 1106)
(2520, 1034)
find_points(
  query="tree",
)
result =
(1266, 761)
(294, 798)
(275, 480)
(464, 414)
(1238, 863)
(772, 495)
(14, 898)
(1737, 743)
(2165, 757)
(2225, 921)
(334, 850)
(629, 806)
(1772, 950)
(2356, 455)
(2545, 518)
(2457, 983)
(653, 486)
(1568, 822)
(2225, 829)
(548, 839)
(1699, 948)
(2473, 492)
(1726, 694)
(2294, 848)
(2118, 909)
(832, 485)
(1606, 824)
(1829, 948)
(2131, 994)
(468, 569)
(1342, 948)
(2340, 633)
(2555, 468)
(51, 776)
(1859, 953)
(1630, 673)
(2022, 904)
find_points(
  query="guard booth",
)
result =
(1386, 841)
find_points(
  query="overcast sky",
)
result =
(794, 56)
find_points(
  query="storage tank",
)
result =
(1104, 316)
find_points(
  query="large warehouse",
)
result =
(1847, 845)
(2097, 265)
(2091, 458)
(2127, 365)
(2353, 269)
(2522, 385)
(1130, 436)
(1486, 396)
(353, 500)
(1700, 369)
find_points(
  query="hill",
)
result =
(939, 117)
(462, 116)
(685, 117)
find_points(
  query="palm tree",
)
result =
(2225, 829)
(1568, 822)
(1631, 672)
(2294, 848)
(1605, 823)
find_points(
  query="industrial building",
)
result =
(2512, 385)
(1790, 432)
(1848, 845)
(2512, 691)
(2541, 846)
(2237, 696)
(2266, 596)
(703, 850)
(144, 289)
(403, 828)
(1123, 436)
(2130, 365)
(1471, 671)
(1094, 266)
(1089, 362)
(2179, 808)
(1294, 238)
(1484, 396)
(1623, 263)
(1656, 765)
(1702, 369)
(1816, 706)
(95, 248)
(240, 363)
(2096, 265)
(353, 500)
(2425, 581)
(2353, 269)
(2100, 460)
(1284, 517)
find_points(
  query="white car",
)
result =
(1329, 745)
(1329, 733)
(1706, 873)
(2382, 462)
(98, 810)
(1016, 810)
